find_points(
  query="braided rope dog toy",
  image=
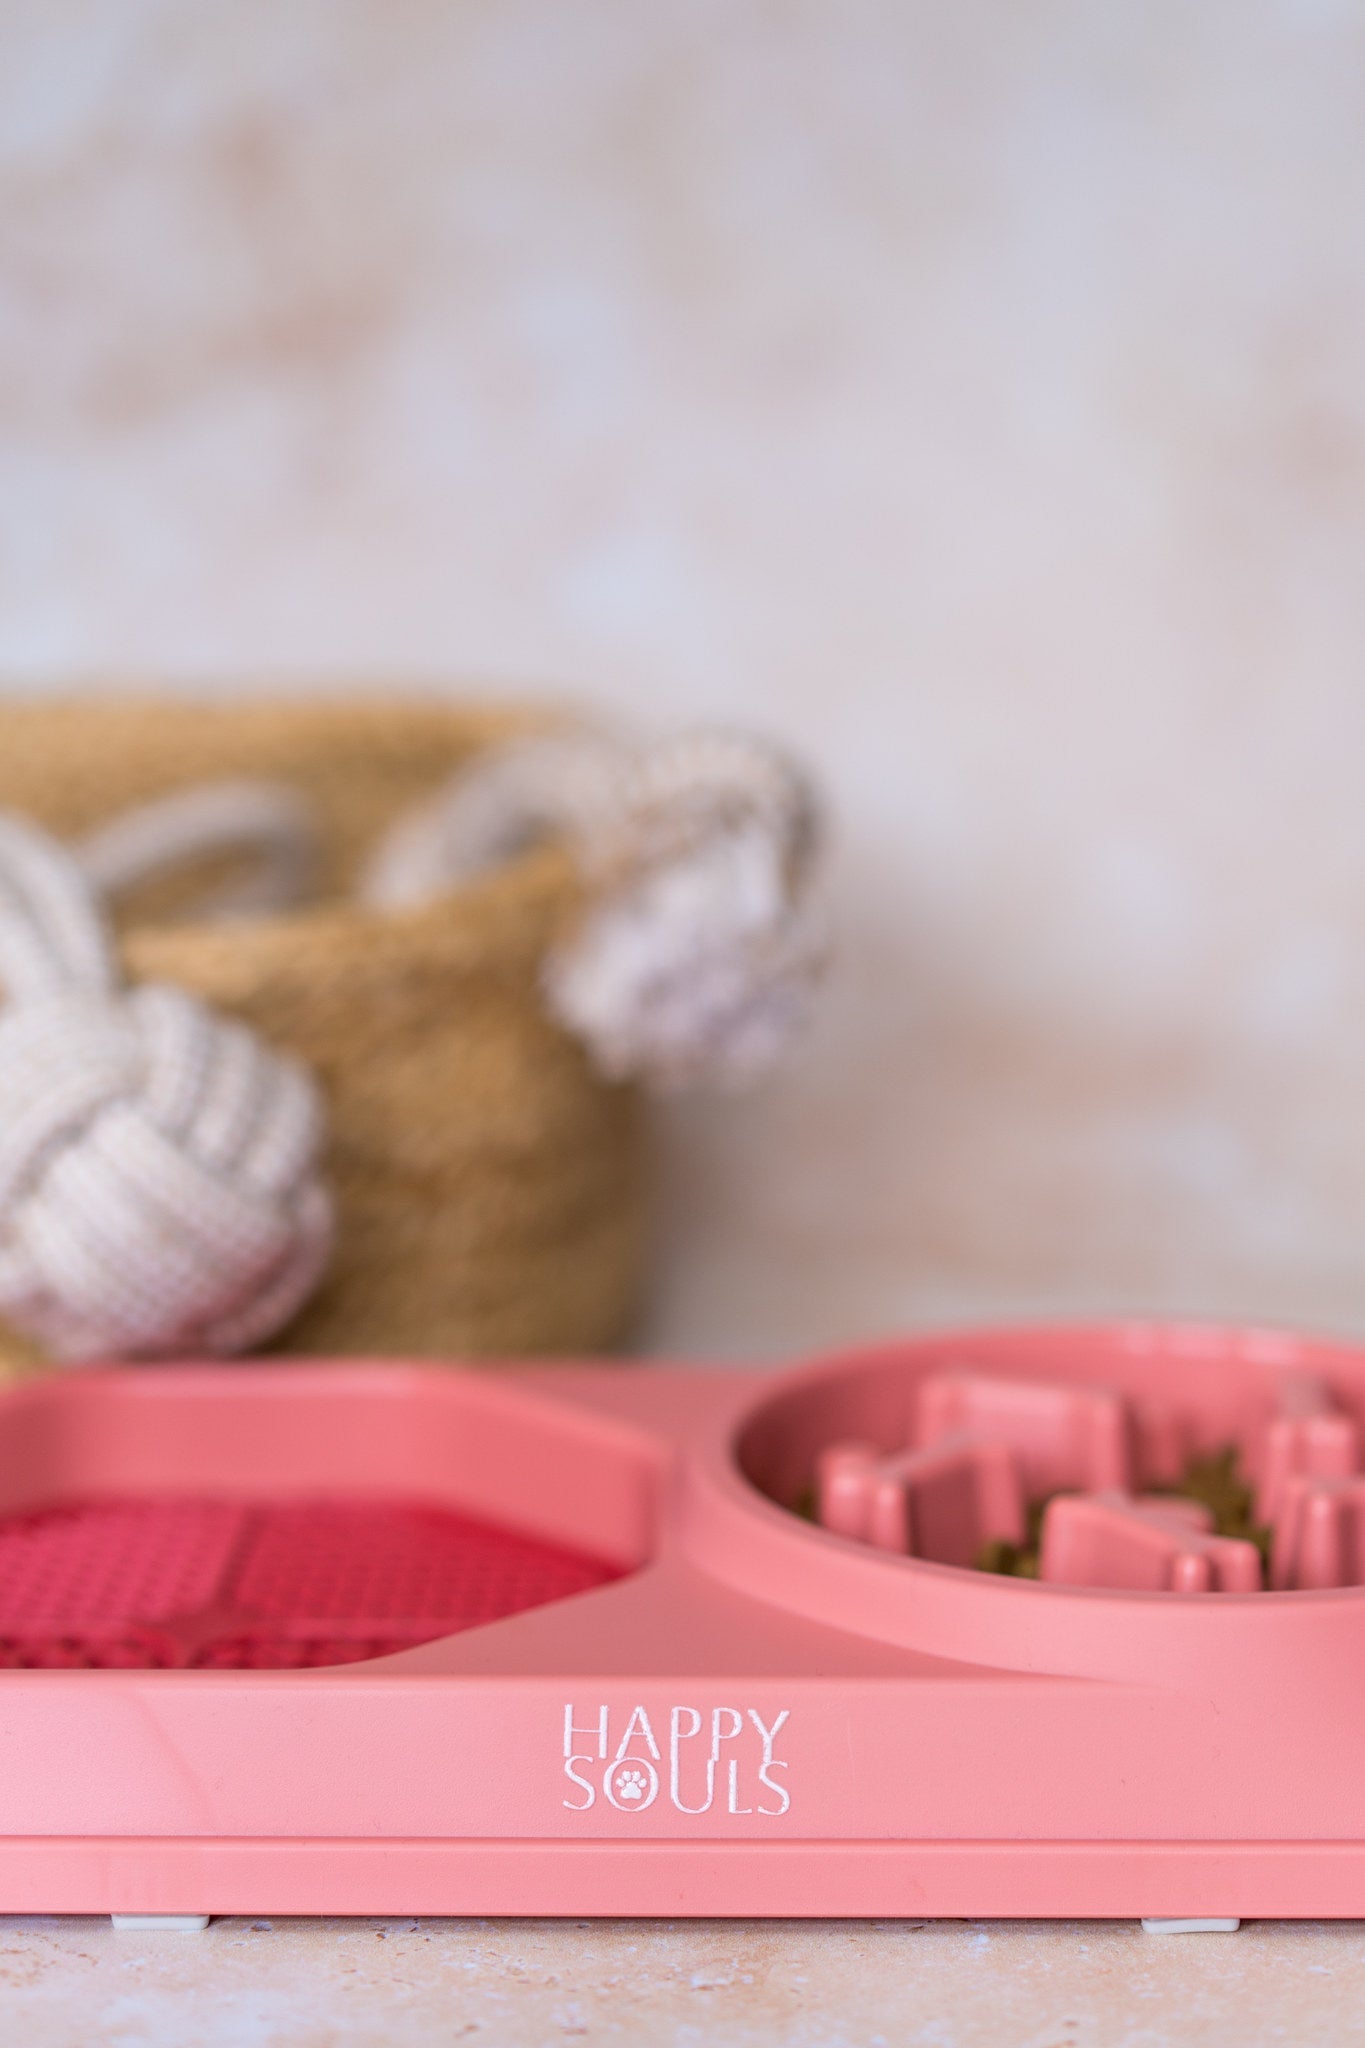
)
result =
(159, 1184)
(695, 957)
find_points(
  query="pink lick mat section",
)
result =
(218, 1585)
(414, 1638)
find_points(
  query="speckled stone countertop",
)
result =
(818, 1984)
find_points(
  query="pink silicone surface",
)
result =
(222, 1586)
(1144, 1542)
(746, 1712)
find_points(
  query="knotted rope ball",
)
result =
(160, 1192)
(696, 953)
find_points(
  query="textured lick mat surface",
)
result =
(228, 1585)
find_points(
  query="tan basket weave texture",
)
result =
(490, 1187)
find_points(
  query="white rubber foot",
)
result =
(159, 1923)
(1190, 1926)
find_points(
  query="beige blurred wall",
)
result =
(973, 392)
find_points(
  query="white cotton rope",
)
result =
(696, 955)
(268, 821)
(159, 1185)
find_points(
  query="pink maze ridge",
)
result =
(980, 1448)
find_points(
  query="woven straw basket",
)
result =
(489, 1186)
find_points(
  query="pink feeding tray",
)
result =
(407, 1639)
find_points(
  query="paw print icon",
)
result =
(631, 1784)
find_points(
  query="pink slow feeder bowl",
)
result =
(406, 1639)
